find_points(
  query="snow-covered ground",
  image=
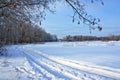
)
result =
(62, 61)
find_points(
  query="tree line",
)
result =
(91, 38)
(24, 32)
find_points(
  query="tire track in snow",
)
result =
(95, 70)
(72, 73)
(35, 68)
(69, 72)
(49, 70)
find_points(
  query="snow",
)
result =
(62, 61)
(101, 53)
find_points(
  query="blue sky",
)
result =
(61, 24)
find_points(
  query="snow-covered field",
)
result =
(62, 61)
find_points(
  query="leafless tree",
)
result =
(21, 10)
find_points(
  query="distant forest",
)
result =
(24, 32)
(91, 38)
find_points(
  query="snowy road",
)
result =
(27, 63)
